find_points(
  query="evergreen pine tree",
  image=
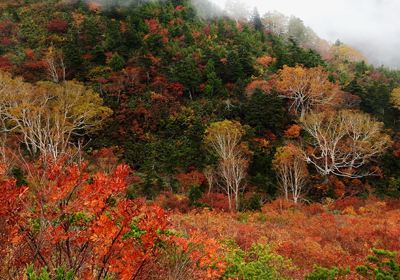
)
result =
(116, 63)
(19, 175)
(256, 20)
(264, 111)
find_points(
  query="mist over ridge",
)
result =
(371, 26)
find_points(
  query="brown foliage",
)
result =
(279, 205)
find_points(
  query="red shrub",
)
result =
(8, 28)
(246, 236)
(139, 200)
(207, 30)
(341, 204)
(279, 205)
(5, 64)
(170, 201)
(192, 177)
(218, 201)
(6, 41)
(56, 25)
(313, 209)
(393, 204)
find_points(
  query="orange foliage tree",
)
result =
(291, 171)
(265, 60)
(307, 89)
(93, 6)
(293, 131)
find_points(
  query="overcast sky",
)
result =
(355, 22)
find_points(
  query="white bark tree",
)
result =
(307, 89)
(224, 139)
(342, 141)
(45, 116)
(233, 171)
(237, 9)
(210, 175)
(292, 172)
(276, 22)
(54, 69)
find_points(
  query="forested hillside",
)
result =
(208, 144)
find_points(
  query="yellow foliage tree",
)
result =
(46, 116)
(346, 52)
(395, 98)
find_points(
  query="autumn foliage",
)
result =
(306, 89)
(265, 60)
(60, 220)
(293, 131)
(56, 25)
(307, 235)
(216, 116)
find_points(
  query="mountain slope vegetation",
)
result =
(210, 114)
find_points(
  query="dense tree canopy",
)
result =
(167, 72)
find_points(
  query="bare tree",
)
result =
(209, 173)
